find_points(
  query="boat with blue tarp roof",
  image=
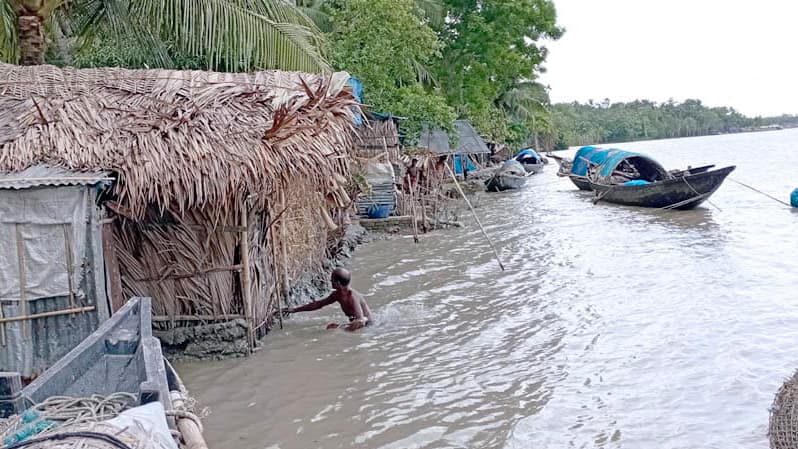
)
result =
(531, 160)
(634, 179)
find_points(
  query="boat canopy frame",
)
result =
(603, 163)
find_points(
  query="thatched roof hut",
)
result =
(220, 179)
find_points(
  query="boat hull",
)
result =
(533, 168)
(580, 182)
(681, 193)
(502, 182)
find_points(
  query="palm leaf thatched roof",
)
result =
(180, 139)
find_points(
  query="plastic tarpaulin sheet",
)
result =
(458, 164)
(582, 157)
(357, 92)
(44, 224)
(611, 158)
(526, 153)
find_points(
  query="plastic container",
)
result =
(376, 211)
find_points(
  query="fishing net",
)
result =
(95, 422)
(783, 431)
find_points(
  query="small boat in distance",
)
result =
(511, 175)
(531, 160)
(634, 179)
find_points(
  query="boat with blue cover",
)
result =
(531, 160)
(634, 179)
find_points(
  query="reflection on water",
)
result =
(612, 327)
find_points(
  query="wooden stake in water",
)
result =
(460, 189)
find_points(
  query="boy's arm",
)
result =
(315, 305)
(360, 319)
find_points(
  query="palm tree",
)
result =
(433, 11)
(527, 102)
(236, 35)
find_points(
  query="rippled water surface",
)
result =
(612, 326)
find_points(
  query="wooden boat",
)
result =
(685, 192)
(510, 176)
(120, 360)
(531, 161)
(634, 179)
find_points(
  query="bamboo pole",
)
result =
(112, 268)
(70, 264)
(413, 210)
(22, 286)
(188, 423)
(284, 256)
(460, 189)
(189, 430)
(197, 317)
(2, 327)
(244, 275)
(47, 314)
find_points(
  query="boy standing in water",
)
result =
(352, 303)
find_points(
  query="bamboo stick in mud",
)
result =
(245, 280)
(460, 189)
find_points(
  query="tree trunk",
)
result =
(31, 39)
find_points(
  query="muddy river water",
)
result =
(611, 327)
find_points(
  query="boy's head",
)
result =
(340, 278)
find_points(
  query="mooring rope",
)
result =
(761, 192)
(687, 201)
(61, 411)
(700, 194)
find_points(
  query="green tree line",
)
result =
(605, 122)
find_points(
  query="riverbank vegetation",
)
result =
(605, 122)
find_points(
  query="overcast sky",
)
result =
(737, 53)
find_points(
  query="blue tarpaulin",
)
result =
(357, 92)
(609, 159)
(458, 166)
(580, 165)
(526, 152)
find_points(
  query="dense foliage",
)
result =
(595, 123)
(384, 43)
(490, 48)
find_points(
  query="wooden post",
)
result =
(2, 326)
(459, 189)
(70, 264)
(30, 318)
(23, 300)
(246, 291)
(286, 284)
(112, 268)
(189, 430)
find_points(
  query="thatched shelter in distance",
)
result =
(225, 186)
(470, 145)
